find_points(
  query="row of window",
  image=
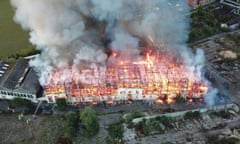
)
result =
(16, 94)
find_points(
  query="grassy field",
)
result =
(43, 130)
(13, 40)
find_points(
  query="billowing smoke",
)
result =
(77, 33)
(211, 97)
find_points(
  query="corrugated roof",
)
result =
(16, 73)
(21, 78)
(30, 83)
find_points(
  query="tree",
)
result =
(89, 120)
(116, 130)
(207, 30)
(61, 103)
(200, 11)
(71, 125)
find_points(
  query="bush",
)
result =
(133, 115)
(70, 132)
(109, 140)
(89, 119)
(61, 103)
(154, 125)
(147, 127)
(213, 139)
(21, 102)
(116, 130)
(222, 113)
(192, 115)
(71, 125)
(142, 127)
(226, 29)
(165, 121)
(146, 130)
(139, 126)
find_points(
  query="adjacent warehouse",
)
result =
(19, 80)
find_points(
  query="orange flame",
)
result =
(154, 75)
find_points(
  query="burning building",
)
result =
(153, 77)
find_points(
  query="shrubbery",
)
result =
(61, 103)
(213, 139)
(89, 120)
(192, 115)
(116, 130)
(21, 102)
(165, 121)
(153, 125)
(133, 115)
(71, 124)
(147, 127)
(222, 113)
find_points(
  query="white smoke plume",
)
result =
(211, 97)
(69, 32)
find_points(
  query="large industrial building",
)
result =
(154, 77)
(19, 80)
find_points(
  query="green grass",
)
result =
(43, 130)
(13, 40)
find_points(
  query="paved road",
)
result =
(145, 106)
